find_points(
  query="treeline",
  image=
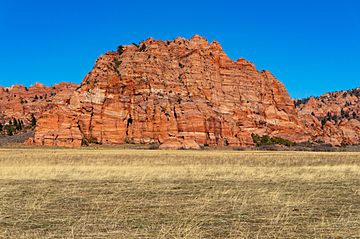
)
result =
(334, 117)
(354, 92)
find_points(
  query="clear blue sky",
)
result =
(311, 46)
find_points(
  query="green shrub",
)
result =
(87, 142)
(267, 140)
(117, 63)
(93, 140)
(9, 130)
(84, 142)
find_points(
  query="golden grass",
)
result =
(123, 193)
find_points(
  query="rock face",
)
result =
(176, 144)
(173, 92)
(334, 117)
(180, 94)
(21, 103)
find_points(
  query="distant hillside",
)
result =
(334, 106)
(338, 113)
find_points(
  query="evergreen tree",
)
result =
(323, 122)
(342, 113)
(328, 116)
(33, 120)
(15, 123)
(10, 131)
(120, 50)
(334, 118)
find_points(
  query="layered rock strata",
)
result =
(173, 91)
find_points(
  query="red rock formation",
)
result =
(20, 102)
(175, 143)
(173, 91)
(335, 116)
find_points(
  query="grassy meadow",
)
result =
(127, 193)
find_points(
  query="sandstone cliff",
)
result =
(21, 103)
(173, 91)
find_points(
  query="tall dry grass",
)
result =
(121, 193)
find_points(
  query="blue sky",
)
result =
(311, 46)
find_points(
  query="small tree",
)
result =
(347, 114)
(1, 127)
(323, 122)
(33, 120)
(334, 118)
(143, 47)
(342, 112)
(328, 116)
(15, 122)
(120, 50)
(18, 125)
(10, 130)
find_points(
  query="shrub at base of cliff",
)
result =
(267, 140)
(87, 142)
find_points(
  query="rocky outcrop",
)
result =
(181, 94)
(334, 117)
(173, 92)
(176, 144)
(21, 103)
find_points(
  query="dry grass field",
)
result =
(125, 193)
